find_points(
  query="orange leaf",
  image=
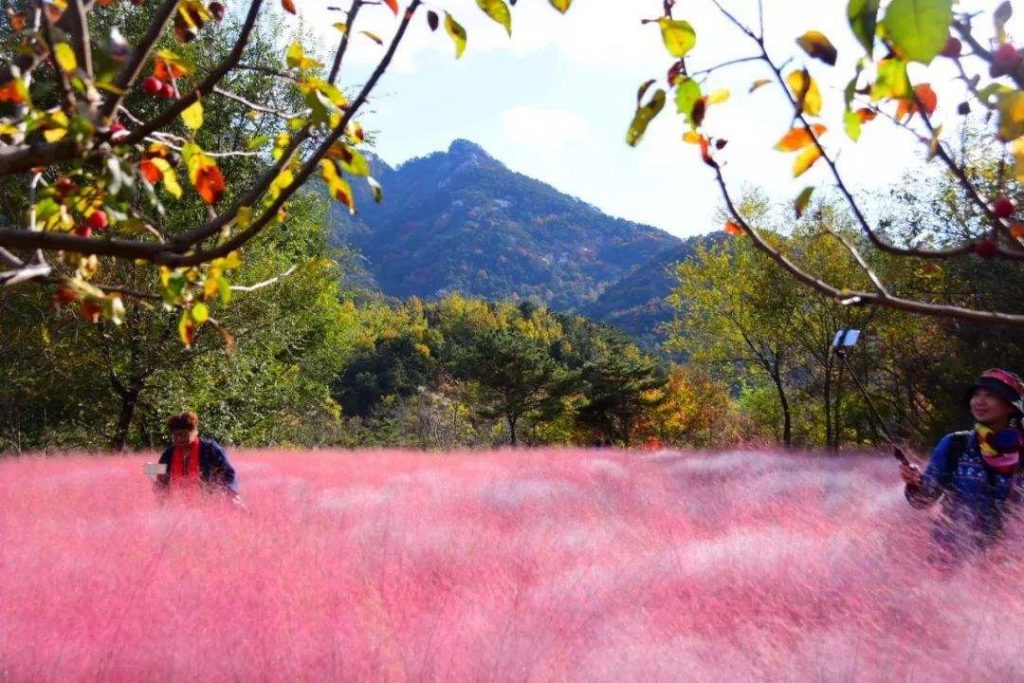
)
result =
(167, 71)
(733, 229)
(393, 4)
(805, 160)
(288, 5)
(705, 152)
(10, 92)
(928, 97)
(1017, 230)
(17, 20)
(150, 171)
(865, 114)
(798, 138)
(209, 183)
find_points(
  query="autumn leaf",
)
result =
(643, 117)
(818, 46)
(168, 66)
(288, 6)
(392, 5)
(186, 329)
(432, 20)
(805, 91)
(679, 36)
(1017, 230)
(13, 91)
(759, 83)
(65, 57)
(925, 95)
(802, 199)
(209, 182)
(457, 33)
(193, 115)
(798, 138)
(373, 36)
(561, 5)
(805, 160)
(498, 11)
(733, 228)
(150, 171)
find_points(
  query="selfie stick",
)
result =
(840, 346)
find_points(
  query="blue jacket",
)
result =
(215, 469)
(974, 497)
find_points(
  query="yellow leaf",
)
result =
(341, 26)
(678, 36)
(1011, 115)
(1017, 149)
(805, 160)
(806, 92)
(692, 137)
(193, 115)
(65, 57)
(717, 97)
(561, 5)
(457, 33)
(817, 45)
(200, 313)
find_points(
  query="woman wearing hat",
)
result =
(976, 473)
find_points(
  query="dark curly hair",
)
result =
(186, 420)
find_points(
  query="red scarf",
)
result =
(185, 471)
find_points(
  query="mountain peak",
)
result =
(466, 149)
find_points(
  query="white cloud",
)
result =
(544, 128)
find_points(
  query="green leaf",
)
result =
(851, 122)
(457, 33)
(193, 115)
(65, 57)
(561, 5)
(200, 313)
(257, 142)
(863, 16)
(497, 10)
(643, 116)
(918, 29)
(818, 46)
(679, 36)
(687, 95)
(802, 199)
(893, 81)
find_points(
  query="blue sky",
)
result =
(555, 100)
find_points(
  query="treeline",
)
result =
(744, 323)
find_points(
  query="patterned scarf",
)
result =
(1000, 450)
(186, 471)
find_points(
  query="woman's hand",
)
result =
(911, 475)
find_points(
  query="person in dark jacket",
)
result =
(195, 464)
(976, 473)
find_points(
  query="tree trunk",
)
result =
(129, 400)
(787, 430)
(512, 419)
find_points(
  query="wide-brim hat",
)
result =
(1004, 384)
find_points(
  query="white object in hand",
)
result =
(154, 469)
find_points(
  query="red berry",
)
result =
(151, 85)
(64, 185)
(83, 231)
(1006, 59)
(167, 91)
(985, 248)
(952, 48)
(1003, 207)
(97, 219)
(217, 10)
(118, 132)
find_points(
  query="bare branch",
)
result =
(265, 283)
(253, 106)
(875, 280)
(849, 297)
(343, 46)
(80, 34)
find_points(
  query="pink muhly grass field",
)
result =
(508, 566)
